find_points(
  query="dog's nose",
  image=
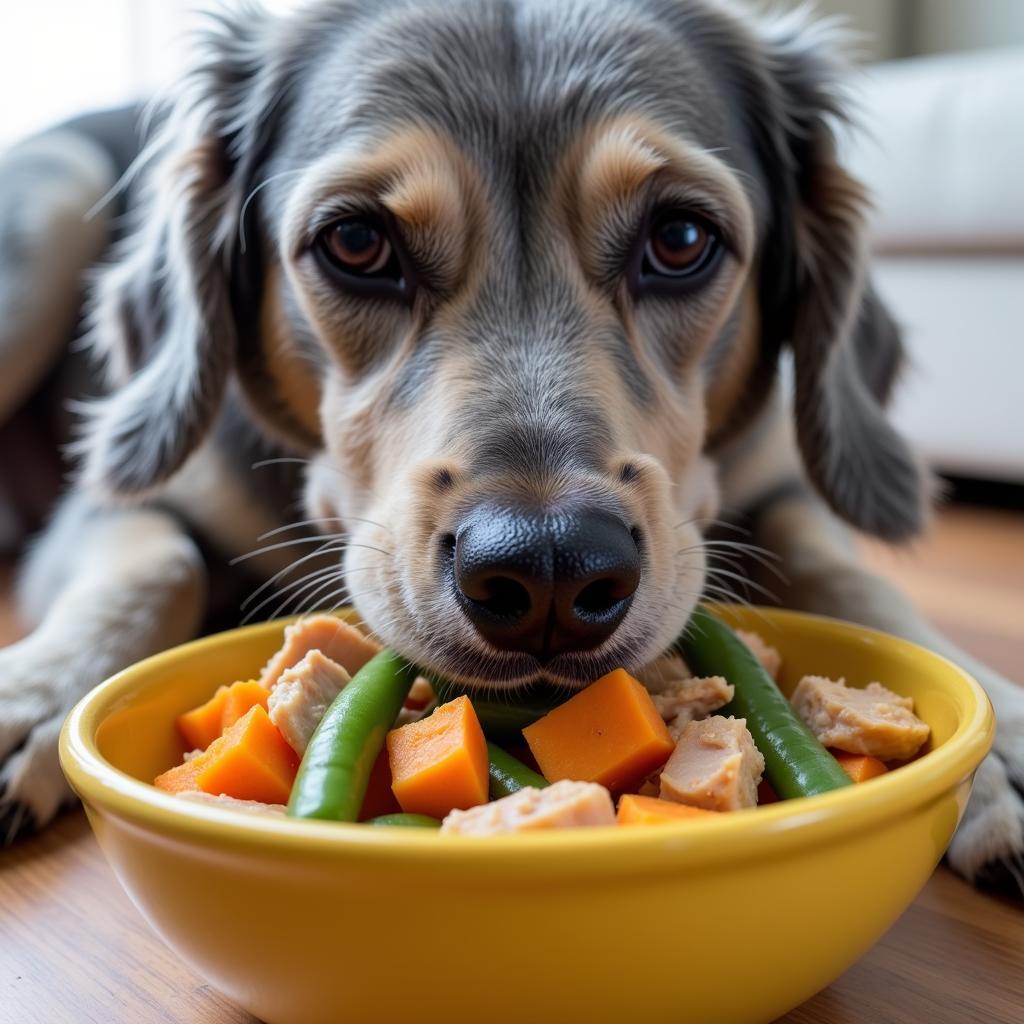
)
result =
(545, 584)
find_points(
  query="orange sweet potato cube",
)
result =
(250, 761)
(439, 763)
(240, 698)
(202, 725)
(860, 767)
(609, 733)
(649, 810)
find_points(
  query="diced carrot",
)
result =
(202, 725)
(379, 799)
(609, 733)
(250, 761)
(766, 794)
(241, 697)
(860, 767)
(439, 764)
(648, 810)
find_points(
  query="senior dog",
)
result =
(502, 288)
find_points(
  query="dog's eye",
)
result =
(361, 255)
(357, 245)
(680, 247)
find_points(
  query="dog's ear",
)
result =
(161, 315)
(815, 295)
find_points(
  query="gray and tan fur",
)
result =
(517, 147)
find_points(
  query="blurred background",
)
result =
(940, 98)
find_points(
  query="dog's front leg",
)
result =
(102, 589)
(823, 575)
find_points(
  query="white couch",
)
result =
(942, 150)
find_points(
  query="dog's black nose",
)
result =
(545, 584)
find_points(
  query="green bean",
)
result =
(796, 764)
(335, 770)
(508, 775)
(503, 718)
(405, 820)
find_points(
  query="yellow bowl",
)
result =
(734, 920)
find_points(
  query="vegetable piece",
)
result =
(503, 720)
(507, 775)
(202, 725)
(564, 804)
(870, 720)
(715, 766)
(335, 771)
(439, 763)
(609, 733)
(405, 820)
(250, 761)
(860, 767)
(379, 800)
(647, 810)
(240, 698)
(339, 641)
(765, 794)
(796, 764)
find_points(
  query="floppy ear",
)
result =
(161, 316)
(816, 297)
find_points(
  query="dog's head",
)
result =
(508, 272)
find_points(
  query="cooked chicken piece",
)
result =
(715, 766)
(342, 643)
(771, 660)
(563, 804)
(302, 695)
(689, 699)
(663, 673)
(231, 804)
(872, 720)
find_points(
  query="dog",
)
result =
(528, 306)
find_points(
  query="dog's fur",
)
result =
(519, 146)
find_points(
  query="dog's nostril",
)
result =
(600, 596)
(638, 537)
(504, 598)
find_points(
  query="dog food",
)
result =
(335, 639)
(689, 699)
(872, 720)
(564, 804)
(340, 730)
(302, 694)
(715, 765)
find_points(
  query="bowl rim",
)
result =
(768, 830)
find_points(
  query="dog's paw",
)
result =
(32, 786)
(988, 848)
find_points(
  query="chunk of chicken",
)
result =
(230, 803)
(302, 695)
(663, 673)
(768, 656)
(562, 805)
(342, 643)
(872, 720)
(690, 699)
(715, 766)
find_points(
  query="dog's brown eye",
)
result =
(357, 246)
(679, 246)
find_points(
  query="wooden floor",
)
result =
(74, 951)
